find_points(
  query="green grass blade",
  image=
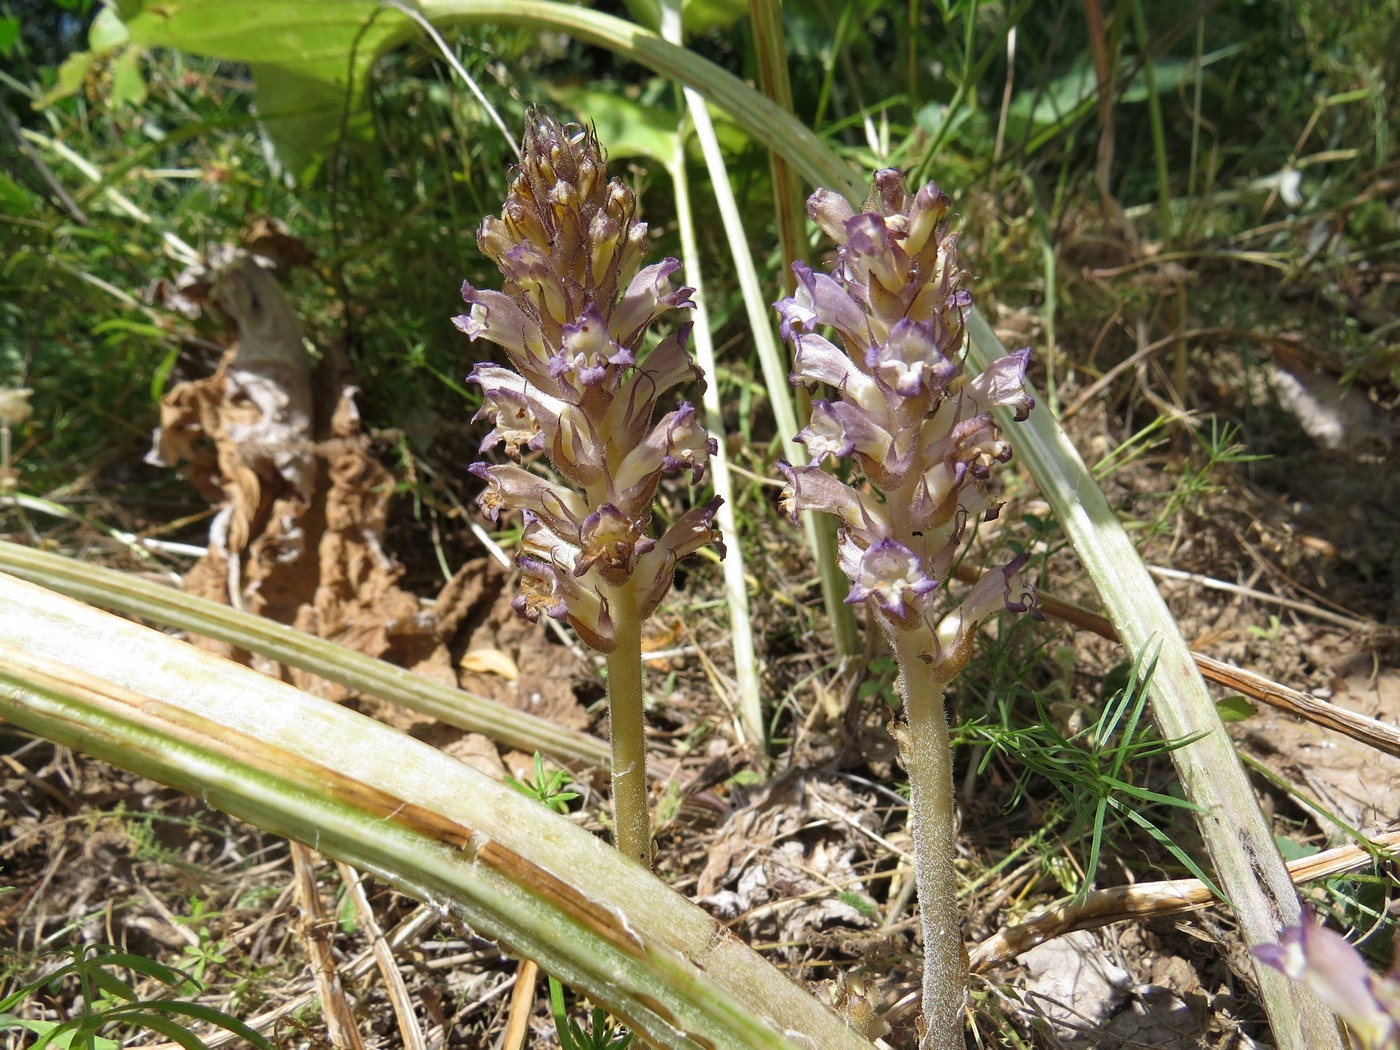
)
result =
(770, 56)
(208, 1015)
(149, 1019)
(772, 362)
(736, 594)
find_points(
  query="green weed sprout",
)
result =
(572, 317)
(601, 1033)
(107, 1002)
(918, 430)
(550, 788)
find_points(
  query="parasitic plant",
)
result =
(916, 430)
(1326, 963)
(581, 392)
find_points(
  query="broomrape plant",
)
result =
(917, 430)
(1325, 962)
(572, 316)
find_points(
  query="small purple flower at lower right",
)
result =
(1325, 963)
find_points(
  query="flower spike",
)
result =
(906, 413)
(921, 444)
(572, 316)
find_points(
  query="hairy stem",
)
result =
(929, 762)
(627, 728)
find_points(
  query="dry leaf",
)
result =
(490, 661)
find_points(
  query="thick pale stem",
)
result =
(627, 728)
(929, 762)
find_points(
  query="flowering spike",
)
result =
(918, 433)
(907, 415)
(572, 317)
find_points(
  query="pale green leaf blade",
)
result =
(397, 808)
(310, 58)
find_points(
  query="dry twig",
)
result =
(1153, 900)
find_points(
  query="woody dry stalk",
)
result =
(581, 392)
(918, 433)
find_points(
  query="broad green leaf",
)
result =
(932, 117)
(9, 35)
(700, 16)
(71, 75)
(1234, 709)
(1057, 102)
(258, 33)
(310, 58)
(1170, 73)
(315, 34)
(697, 16)
(626, 128)
(128, 82)
(1051, 108)
(1293, 850)
(107, 32)
(304, 113)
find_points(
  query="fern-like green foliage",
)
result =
(109, 1002)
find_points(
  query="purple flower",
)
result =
(911, 362)
(818, 301)
(840, 429)
(1334, 971)
(572, 318)
(611, 540)
(647, 298)
(913, 424)
(890, 573)
(587, 355)
(524, 416)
